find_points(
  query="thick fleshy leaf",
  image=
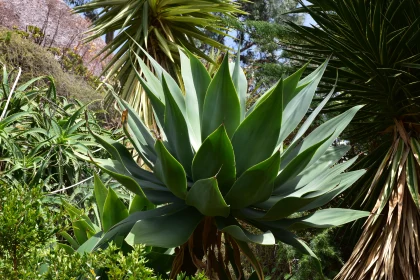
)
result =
(166, 231)
(298, 164)
(290, 89)
(325, 181)
(312, 117)
(100, 192)
(232, 227)
(90, 244)
(207, 198)
(216, 156)
(196, 81)
(240, 83)
(123, 228)
(126, 163)
(286, 207)
(256, 137)
(68, 249)
(176, 130)
(326, 218)
(345, 181)
(170, 171)
(328, 159)
(143, 140)
(332, 127)
(82, 226)
(119, 173)
(221, 104)
(139, 203)
(114, 210)
(296, 109)
(255, 184)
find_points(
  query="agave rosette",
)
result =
(217, 166)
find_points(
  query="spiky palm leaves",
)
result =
(376, 52)
(160, 27)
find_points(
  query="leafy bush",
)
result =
(42, 134)
(26, 225)
(290, 264)
(18, 51)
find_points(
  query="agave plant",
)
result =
(376, 54)
(219, 172)
(160, 27)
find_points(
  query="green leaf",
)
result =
(123, 228)
(415, 146)
(255, 184)
(166, 231)
(119, 173)
(170, 171)
(74, 244)
(82, 226)
(326, 218)
(114, 210)
(206, 197)
(332, 127)
(101, 194)
(196, 81)
(412, 179)
(142, 140)
(296, 109)
(232, 227)
(256, 137)
(176, 130)
(69, 250)
(221, 104)
(286, 207)
(312, 117)
(328, 159)
(345, 181)
(139, 203)
(216, 156)
(298, 164)
(244, 247)
(90, 244)
(240, 83)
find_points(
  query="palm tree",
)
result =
(158, 26)
(375, 50)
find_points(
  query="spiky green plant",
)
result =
(217, 169)
(376, 54)
(160, 27)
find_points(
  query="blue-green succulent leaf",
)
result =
(256, 137)
(221, 104)
(216, 156)
(170, 171)
(166, 231)
(255, 184)
(206, 197)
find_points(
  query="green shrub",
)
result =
(26, 225)
(17, 50)
(285, 262)
(110, 263)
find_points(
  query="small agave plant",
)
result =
(221, 174)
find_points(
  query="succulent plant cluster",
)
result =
(220, 173)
